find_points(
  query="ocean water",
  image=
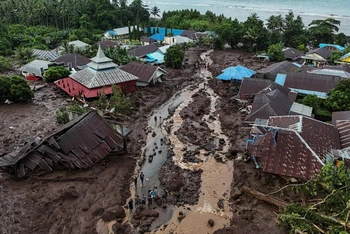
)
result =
(308, 9)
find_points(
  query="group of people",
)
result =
(202, 62)
(143, 200)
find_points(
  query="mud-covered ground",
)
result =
(66, 202)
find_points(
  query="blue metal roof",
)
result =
(112, 32)
(236, 73)
(157, 37)
(310, 92)
(281, 79)
(338, 47)
(156, 56)
(161, 31)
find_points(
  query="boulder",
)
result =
(211, 223)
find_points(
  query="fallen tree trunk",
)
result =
(265, 197)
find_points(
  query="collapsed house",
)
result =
(78, 144)
(295, 146)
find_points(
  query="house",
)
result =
(331, 72)
(163, 49)
(191, 34)
(295, 146)
(79, 44)
(119, 32)
(142, 51)
(341, 120)
(274, 103)
(147, 41)
(236, 73)
(317, 57)
(250, 87)
(176, 40)
(97, 78)
(345, 58)
(158, 37)
(271, 71)
(78, 144)
(174, 32)
(331, 47)
(155, 57)
(36, 67)
(147, 74)
(48, 55)
(308, 83)
(104, 44)
(292, 54)
(75, 61)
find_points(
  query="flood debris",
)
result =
(75, 145)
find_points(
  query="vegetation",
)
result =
(174, 56)
(119, 55)
(62, 116)
(14, 89)
(318, 105)
(275, 52)
(5, 64)
(116, 103)
(55, 73)
(330, 213)
(339, 97)
(24, 55)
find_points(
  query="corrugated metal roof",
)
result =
(91, 78)
(75, 59)
(291, 53)
(141, 51)
(49, 55)
(156, 56)
(78, 144)
(331, 72)
(301, 109)
(145, 72)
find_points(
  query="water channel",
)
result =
(216, 177)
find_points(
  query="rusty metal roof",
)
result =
(295, 146)
(78, 144)
(309, 81)
(144, 72)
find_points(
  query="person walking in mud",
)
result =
(135, 181)
(143, 201)
(142, 177)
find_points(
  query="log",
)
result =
(264, 197)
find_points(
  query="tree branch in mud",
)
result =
(265, 197)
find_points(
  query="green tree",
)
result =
(322, 31)
(15, 89)
(275, 52)
(155, 11)
(317, 104)
(55, 73)
(256, 35)
(119, 55)
(230, 32)
(294, 33)
(339, 97)
(5, 85)
(275, 24)
(5, 64)
(24, 55)
(341, 39)
(174, 56)
(336, 55)
(119, 102)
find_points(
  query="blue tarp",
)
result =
(281, 79)
(338, 47)
(157, 37)
(236, 73)
(155, 56)
(176, 32)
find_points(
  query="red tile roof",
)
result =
(295, 146)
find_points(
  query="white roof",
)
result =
(301, 109)
(124, 30)
(46, 54)
(78, 44)
(163, 49)
(35, 67)
(181, 39)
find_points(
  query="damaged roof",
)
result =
(292, 54)
(268, 104)
(281, 67)
(296, 146)
(78, 144)
(145, 72)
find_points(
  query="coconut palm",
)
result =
(24, 55)
(155, 11)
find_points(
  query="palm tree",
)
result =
(24, 55)
(155, 11)
(251, 36)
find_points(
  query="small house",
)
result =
(142, 51)
(295, 146)
(119, 32)
(147, 74)
(104, 44)
(292, 54)
(36, 67)
(177, 40)
(271, 71)
(331, 47)
(147, 41)
(75, 61)
(48, 55)
(317, 57)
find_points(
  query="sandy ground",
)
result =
(67, 202)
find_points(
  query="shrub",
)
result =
(174, 56)
(275, 52)
(55, 73)
(15, 89)
(4, 64)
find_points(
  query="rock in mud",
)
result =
(221, 203)
(118, 228)
(154, 134)
(211, 223)
(98, 212)
(221, 141)
(70, 194)
(117, 213)
(149, 213)
(174, 182)
(181, 216)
